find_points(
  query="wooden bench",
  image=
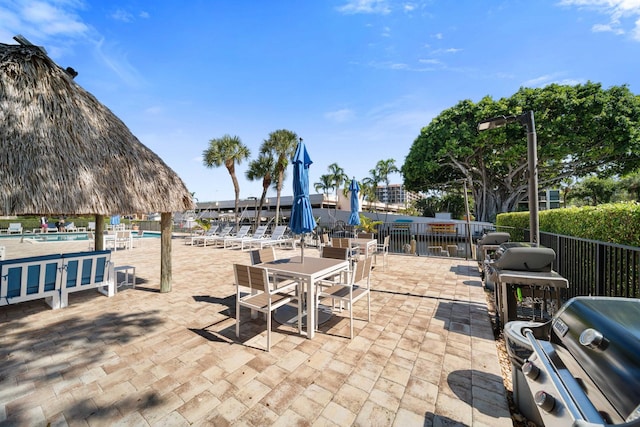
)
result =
(54, 277)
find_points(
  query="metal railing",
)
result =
(595, 268)
(423, 239)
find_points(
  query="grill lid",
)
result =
(524, 257)
(602, 334)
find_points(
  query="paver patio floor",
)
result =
(140, 358)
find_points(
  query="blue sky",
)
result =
(357, 79)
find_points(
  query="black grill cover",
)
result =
(523, 257)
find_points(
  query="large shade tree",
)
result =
(227, 151)
(281, 144)
(581, 129)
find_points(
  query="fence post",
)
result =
(600, 270)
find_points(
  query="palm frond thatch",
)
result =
(63, 152)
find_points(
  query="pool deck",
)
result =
(427, 358)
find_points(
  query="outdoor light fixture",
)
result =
(525, 119)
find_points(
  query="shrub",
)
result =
(612, 222)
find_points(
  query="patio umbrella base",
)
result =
(286, 315)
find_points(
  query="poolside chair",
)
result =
(239, 241)
(14, 228)
(351, 291)
(222, 234)
(70, 227)
(383, 250)
(52, 227)
(277, 237)
(260, 233)
(262, 295)
(91, 226)
(200, 238)
(242, 232)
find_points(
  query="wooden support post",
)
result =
(99, 233)
(166, 226)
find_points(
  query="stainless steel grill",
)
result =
(525, 284)
(580, 368)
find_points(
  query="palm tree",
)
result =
(383, 169)
(227, 151)
(262, 167)
(368, 189)
(324, 185)
(337, 177)
(281, 145)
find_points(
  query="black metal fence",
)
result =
(595, 268)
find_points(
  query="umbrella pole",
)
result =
(302, 247)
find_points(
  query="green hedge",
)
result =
(613, 222)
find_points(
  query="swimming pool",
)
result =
(71, 236)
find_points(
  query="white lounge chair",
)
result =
(200, 238)
(278, 237)
(233, 242)
(14, 228)
(221, 235)
(240, 234)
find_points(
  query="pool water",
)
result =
(73, 236)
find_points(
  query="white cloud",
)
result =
(352, 7)
(430, 61)
(122, 15)
(340, 116)
(118, 63)
(616, 10)
(548, 79)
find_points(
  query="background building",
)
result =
(396, 194)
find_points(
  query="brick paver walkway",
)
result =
(144, 358)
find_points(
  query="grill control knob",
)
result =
(531, 370)
(591, 338)
(544, 401)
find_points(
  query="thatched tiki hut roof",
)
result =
(63, 152)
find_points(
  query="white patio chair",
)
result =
(383, 250)
(262, 295)
(350, 291)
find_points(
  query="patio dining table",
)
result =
(366, 246)
(308, 272)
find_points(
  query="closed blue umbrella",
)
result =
(302, 220)
(115, 219)
(354, 218)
